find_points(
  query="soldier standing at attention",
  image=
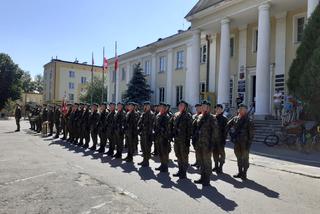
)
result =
(182, 131)
(57, 120)
(219, 154)
(119, 129)
(71, 123)
(102, 127)
(94, 121)
(64, 122)
(241, 131)
(44, 115)
(207, 135)
(110, 123)
(156, 147)
(145, 129)
(77, 122)
(162, 137)
(194, 129)
(137, 115)
(130, 131)
(85, 126)
(50, 119)
(17, 116)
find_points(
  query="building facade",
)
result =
(67, 79)
(234, 49)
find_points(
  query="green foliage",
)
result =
(304, 74)
(138, 90)
(96, 90)
(38, 83)
(10, 84)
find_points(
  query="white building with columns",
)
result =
(234, 48)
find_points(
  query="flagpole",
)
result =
(92, 80)
(115, 72)
(102, 94)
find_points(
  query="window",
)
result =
(203, 54)
(180, 59)
(161, 94)
(162, 64)
(299, 24)
(179, 95)
(72, 74)
(255, 41)
(83, 80)
(147, 67)
(203, 87)
(71, 97)
(123, 74)
(71, 85)
(231, 46)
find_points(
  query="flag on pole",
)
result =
(64, 105)
(92, 78)
(105, 63)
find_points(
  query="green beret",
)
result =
(146, 103)
(162, 104)
(197, 105)
(243, 106)
(219, 106)
(184, 102)
(206, 102)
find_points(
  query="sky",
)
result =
(34, 31)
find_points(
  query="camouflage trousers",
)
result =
(218, 152)
(241, 150)
(118, 139)
(131, 143)
(181, 149)
(94, 137)
(164, 148)
(145, 142)
(205, 163)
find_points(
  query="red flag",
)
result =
(105, 63)
(64, 106)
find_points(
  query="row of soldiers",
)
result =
(119, 126)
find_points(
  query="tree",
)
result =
(304, 73)
(38, 83)
(10, 84)
(95, 89)
(138, 90)
(27, 84)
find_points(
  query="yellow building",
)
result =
(67, 79)
(33, 97)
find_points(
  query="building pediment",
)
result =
(202, 5)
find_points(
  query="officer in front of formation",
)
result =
(218, 151)
(182, 131)
(145, 129)
(241, 131)
(17, 116)
(162, 136)
(207, 134)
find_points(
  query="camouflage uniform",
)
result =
(57, 119)
(102, 131)
(77, 124)
(130, 132)
(219, 154)
(94, 121)
(85, 128)
(145, 127)
(51, 120)
(162, 140)
(110, 123)
(71, 126)
(242, 132)
(194, 138)
(207, 134)
(182, 130)
(64, 124)
(119, 132)
(17, 115)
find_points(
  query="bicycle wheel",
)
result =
(271, 140)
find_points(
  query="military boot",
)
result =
(145, 164)
(101, 150)
(164, 168)
(200, 180)
(220, 170)
(86, 145)
(206, 180)
(216, 167)
(244, 175)
(239, 175)
(110, 152)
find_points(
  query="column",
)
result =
(263, 64)
(153, 77)
(224, 71)
(312, 4)
(169, 87)
(242, 60)
(280, 55)
(212, 63)
(192, 85)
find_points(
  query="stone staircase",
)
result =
(264, 128)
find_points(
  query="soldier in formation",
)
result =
(157, 126)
